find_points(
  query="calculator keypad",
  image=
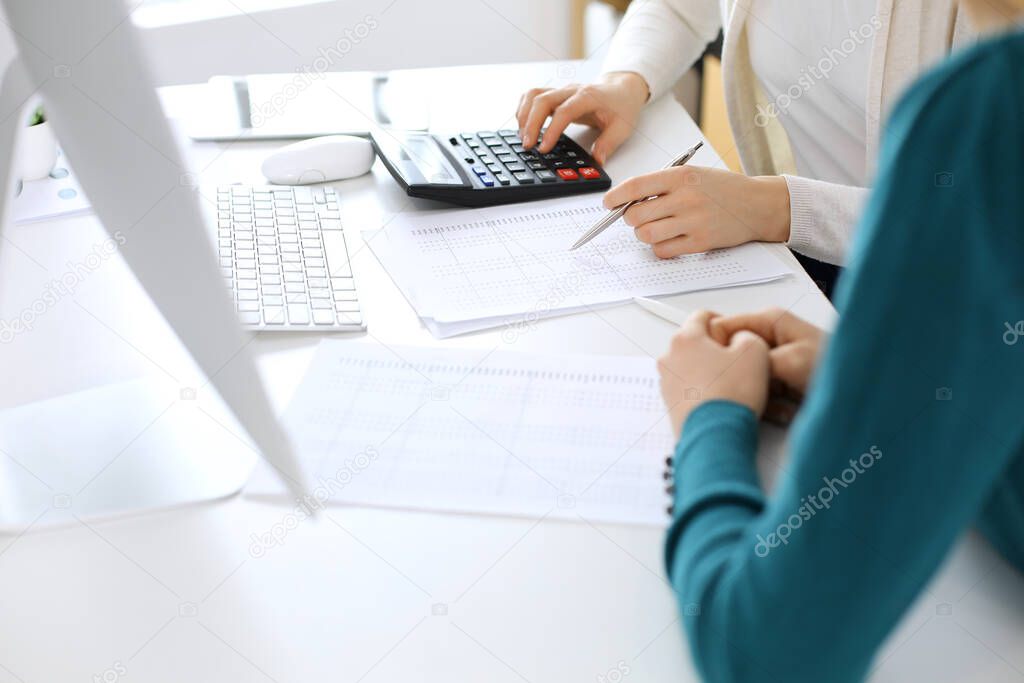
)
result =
(498, 159)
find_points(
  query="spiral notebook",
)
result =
(469, 265)
(494, 432)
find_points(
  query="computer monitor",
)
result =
(84, 61)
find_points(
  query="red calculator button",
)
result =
(590, 173)
(567, 174)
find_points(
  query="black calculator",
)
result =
(487, 167)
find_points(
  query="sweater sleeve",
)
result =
(911, 423)
(661, 39)
(822, 217)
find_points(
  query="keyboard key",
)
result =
(590, 173)
(319, 293)
(502, 178)
(567, 174)
(536, 165)
(524, 178)
(516, 166)
(298, 314)
(245, 273)
(337, 255)
(247, 306)
(274, 300)
(321, 303)
(487, 181)
(546, 176)
(294, 277)
(340, 284)
(295, 287)
(273, 315)
(249, 318)
(323, 317)
(346, 306)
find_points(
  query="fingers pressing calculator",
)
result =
(487, 167)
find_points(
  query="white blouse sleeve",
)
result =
(661, 39)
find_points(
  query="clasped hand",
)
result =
(761, 360)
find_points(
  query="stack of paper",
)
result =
(496, 432)
(467, 270)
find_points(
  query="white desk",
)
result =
(379, 595)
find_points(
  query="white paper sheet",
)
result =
(489, 432)
(468, 265)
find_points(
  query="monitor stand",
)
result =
(116, 450)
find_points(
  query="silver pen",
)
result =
(616, 213)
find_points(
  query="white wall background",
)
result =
(218, 37)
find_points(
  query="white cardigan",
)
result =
(661, 39)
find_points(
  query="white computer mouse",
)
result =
(319, 160)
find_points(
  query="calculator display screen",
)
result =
(430, 164)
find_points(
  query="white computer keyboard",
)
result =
(283, 254)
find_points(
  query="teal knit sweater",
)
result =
(913, 430)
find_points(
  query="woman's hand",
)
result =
(612, 106)
(698, 368)
(696, 209)
(795, 345)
